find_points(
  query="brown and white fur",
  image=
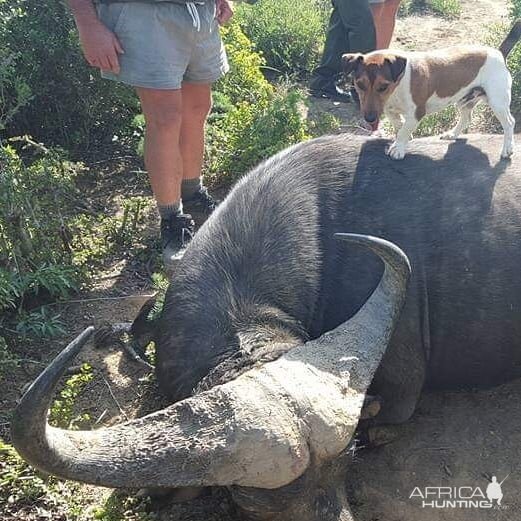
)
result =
(408, 85)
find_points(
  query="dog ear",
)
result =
(397, 65)
(351, 61)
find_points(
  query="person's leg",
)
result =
(351, 29)
(384, 33)
(163, 116)
(197, 102)
(336, 44)
(163, 111)
(357, 18)
(377, 10)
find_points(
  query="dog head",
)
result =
(376, 76)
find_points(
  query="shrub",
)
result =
(48, 242)
(14, 92)
(289, 34)
(249, 133)
(70, 104)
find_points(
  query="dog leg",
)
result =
(462, 125)
(508, 122)
(398, 148)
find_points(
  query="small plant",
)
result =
(62, 410)
(41, 324)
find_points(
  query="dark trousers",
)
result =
(351, 29)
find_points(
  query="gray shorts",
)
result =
(165, 43)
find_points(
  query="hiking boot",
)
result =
(201, 203)
(176, 233)
(332, 92)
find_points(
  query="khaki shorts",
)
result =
(165, 43)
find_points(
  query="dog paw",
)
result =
(508, 151)
(396, 151)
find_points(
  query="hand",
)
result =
(101, 47)
(224, 11)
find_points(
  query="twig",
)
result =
(117, 158)
(97, 299)
(26, 139)
(114, 398)
(110, 277)
(103, 414)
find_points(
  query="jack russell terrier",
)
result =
(408, 85)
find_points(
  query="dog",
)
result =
(408, 85)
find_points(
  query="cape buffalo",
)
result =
(277, 324)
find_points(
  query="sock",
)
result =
(168, 210)
(190, 187)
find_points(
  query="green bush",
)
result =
(252, 132)
(289, 34)
(34, 246)
(70, 104)
(252, 119)
(48, 240)
(515, 9)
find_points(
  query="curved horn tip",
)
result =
(52, 373)
(388, 251)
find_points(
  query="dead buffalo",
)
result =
(277, 324)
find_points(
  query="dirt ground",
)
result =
(455, 439)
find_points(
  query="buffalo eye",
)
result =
(382, 88)
(361, 86)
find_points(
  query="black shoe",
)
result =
(332, 92)
(176, 233)
(201, 203)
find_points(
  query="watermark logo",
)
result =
(465, 497)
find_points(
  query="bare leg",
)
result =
(397, 149)
(377, 11)
(384, 16)
(163, 115)
(197, 102)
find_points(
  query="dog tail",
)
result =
(512, 38)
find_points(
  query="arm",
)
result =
(100, 45)
(224, 11)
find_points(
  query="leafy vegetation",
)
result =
(253, 119)
(24, 490)
(64, 102)
(62, 410)
(288, 34)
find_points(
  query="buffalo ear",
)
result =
(351, 61)
(397, 65)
